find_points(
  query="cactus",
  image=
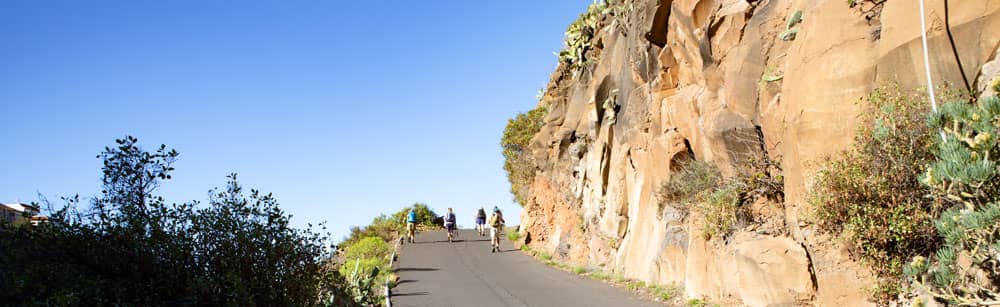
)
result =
(578, 37)
(790, 31)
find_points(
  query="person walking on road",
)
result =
(411, 224)
(449, 224)
(481, 222)
(496, 224)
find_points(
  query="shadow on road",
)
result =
(410, 294)
(405, 281)
(414, 269)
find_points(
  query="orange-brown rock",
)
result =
(711, 80)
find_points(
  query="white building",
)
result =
(16, 213)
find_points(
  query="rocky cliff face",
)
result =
(716, 81)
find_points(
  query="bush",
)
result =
(723, 211)
(965, 270)
(518, 164)
(370, 247)
(390, 227)
(512, 234)
(872, 189)
(425, 216)
(692, 182)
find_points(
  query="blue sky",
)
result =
(342, 109)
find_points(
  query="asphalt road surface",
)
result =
(434, 272)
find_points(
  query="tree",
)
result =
(518, 164)
(129, 247)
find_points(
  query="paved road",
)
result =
(434, 272)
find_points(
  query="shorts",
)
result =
(411, 226)
(494, 231)
(449, 227)
(480, 221)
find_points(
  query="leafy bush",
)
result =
(512, 234)
(966, 268)
(370, 247)
(390, 227)
(425, 216)
(129, 247)
(518, 164)
(723, 211)
(872, 189)
(692, 182)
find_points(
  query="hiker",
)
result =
(496, 224)
(411, 224)
(481, 222)
(449, 224)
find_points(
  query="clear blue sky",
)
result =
(342, 109)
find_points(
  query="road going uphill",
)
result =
(434, 272)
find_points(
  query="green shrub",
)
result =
(666, 293)
(512, 234)
(545, 256)
(370, 247)
(965, 270)
(723, 211)
(390, 227)
(425, 216)
(579, 270)
(690, 183)
(518, 164)
(872, 189)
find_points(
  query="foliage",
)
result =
(621, 12)
(965, 270)
(790, 29)
(722, 210)
(370, 247)
(425, 216)
(512, 234)
(362, 280)
(579, 35)
(761, 177)
(129, 247)
(771, 74)
(872, 190)
(691, 182)
(389, 227)
(518, 164)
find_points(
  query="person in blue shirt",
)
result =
(411, 224)
(449, 224)
(481, 222)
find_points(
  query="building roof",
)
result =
(19, 207)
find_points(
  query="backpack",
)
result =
(412, 218)
(481, 214)
(495, 220)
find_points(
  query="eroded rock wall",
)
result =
(684, 81)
